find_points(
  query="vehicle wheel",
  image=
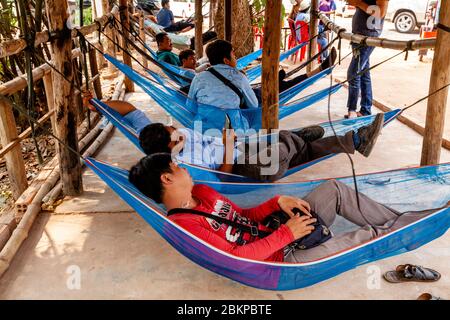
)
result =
(405, 22)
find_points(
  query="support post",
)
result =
(125, 21)
(48, 87)
(94, 71)
(228, 21)
(66, 121)
(198, 29)
(270, 64)
(313, 31)
(142, 36)
(437, 103)
(110, 47)
(14, 159)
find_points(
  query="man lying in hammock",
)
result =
(224, 86)
(257, 160)
(163, 181)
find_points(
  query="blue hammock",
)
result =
(210, 116)
(408, 189)
(341, 127)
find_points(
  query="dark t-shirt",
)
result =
(365, 24)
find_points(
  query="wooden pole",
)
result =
(270, 64)
(142, 36)
(94, 71)
(125, 20)
(48, 87)
(14, 159)
(110, 47)
(228, 20)
(313, 31)
(198, 29)
(66, 121)
(437, 103)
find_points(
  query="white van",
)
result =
(407, 14)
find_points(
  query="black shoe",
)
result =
(310, 134)
(368, 135)
(329, 62)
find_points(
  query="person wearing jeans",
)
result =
(367, 21)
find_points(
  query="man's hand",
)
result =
(87, 95)
(300, 226)
(288, 203)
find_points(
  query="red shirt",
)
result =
(227, 238)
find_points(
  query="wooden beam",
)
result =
(14, 159)
(66, 121)
(313, 31)
(228, 12)
(198, 29)
(110, 47)
(125, 20)
(437, 103)
(270, 64)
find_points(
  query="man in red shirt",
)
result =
(159, 178)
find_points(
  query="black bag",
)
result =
(319, 235)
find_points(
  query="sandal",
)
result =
(428, 296)
(409, 272)
(353, 115)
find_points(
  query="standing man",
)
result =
(367, 21)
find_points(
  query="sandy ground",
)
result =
(118, 256)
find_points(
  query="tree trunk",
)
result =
(66, 120)
(242, 38)
(219, 19)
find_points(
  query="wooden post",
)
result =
(66, 121)
(48, 87)
(212, 10)
(94, 71)
(124, 19)
(14, 159)
(77, 98)
(313, 30)
(228, 20)
(198, 29)
(142, 36)
(110, 47)
(270, 64)
(437, 103)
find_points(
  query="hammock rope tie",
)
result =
(443, 27)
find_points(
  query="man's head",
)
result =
(165, 4)
(163, 41)
(221, 51)
(188, 59)
(157, 175)
(158, 138)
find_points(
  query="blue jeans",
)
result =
(322, 40)
(363, 83)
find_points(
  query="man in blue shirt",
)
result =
(367, 21)
(166, 19)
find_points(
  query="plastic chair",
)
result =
(259, 35)
(292, 40)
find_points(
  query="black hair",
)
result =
(185, 54)
(164, 2)
(218, 50)
(154, 138)
(160, 37)
(146, 175)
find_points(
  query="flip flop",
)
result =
(428, 296)
(410, 273)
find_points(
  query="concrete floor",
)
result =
(118, 256)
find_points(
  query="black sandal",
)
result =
(409, 273)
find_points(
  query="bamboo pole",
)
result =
(313, 31)
(437, 103)
(198, 29)
(270, 64)
(94, 72)
(15, 165)
(125, 21)
(375, 41)
(66, 121)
